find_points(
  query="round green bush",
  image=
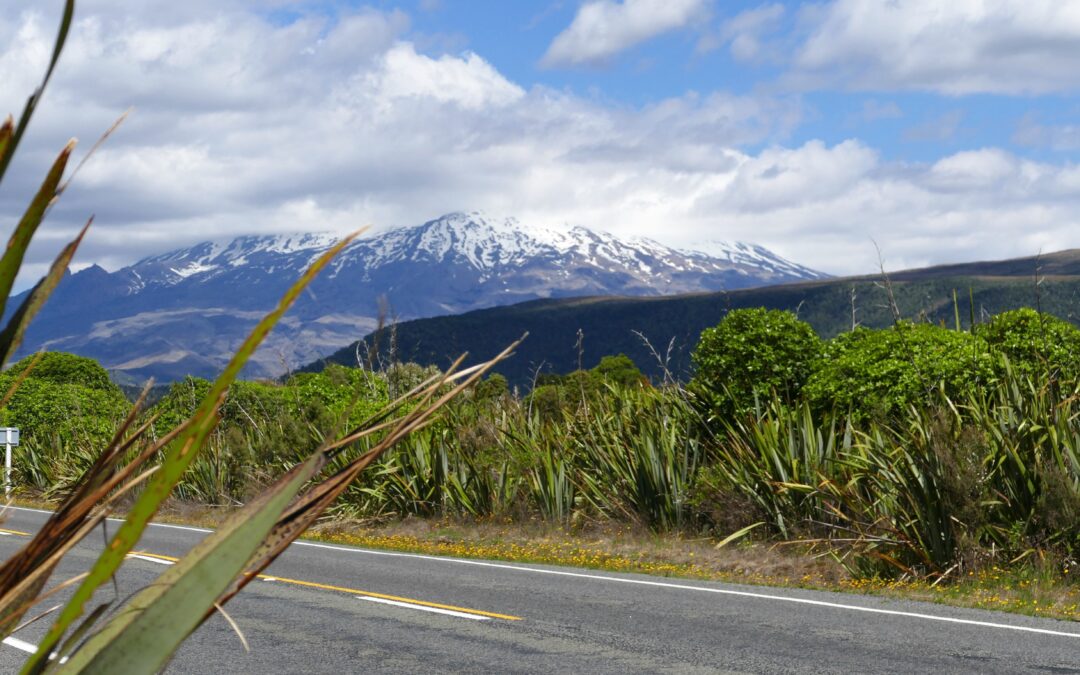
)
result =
(65, 398)
(754, 352)
(1034, 343)
(877, 372)
(63, 368)
(491, 388)
(620, 370)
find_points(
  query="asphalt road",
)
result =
(337, 609)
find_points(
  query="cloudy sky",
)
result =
(943, 131)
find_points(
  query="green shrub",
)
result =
(494, 387)
(1035, 343)
(752, 353)
(555, 393)
(266, 427)
(179, 402)
(338, 391)
(403, 377)
(620, 370)
(63, 368)
(565, 393)
(879, 372)
(58, 409)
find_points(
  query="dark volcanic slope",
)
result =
(617, 324)
(1060, 264)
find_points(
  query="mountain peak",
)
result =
(483, 242)
(181, 312)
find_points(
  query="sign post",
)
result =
(9, 436)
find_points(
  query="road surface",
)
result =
(336, 609)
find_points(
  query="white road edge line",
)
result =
(20, 644)
(422, 608)
(27, 647)
(725, 591)
(655, 584)
(150, 559)
(115, 520)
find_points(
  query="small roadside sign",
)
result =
(9, 436)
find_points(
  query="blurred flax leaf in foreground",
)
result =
(145, 630)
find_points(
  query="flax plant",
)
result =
(154, 621)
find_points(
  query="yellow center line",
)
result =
(355, 591)
(18, 532)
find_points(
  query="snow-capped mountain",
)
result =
(210, 259)
(184, 312)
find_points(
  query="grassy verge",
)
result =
(1031, 589)
(1034, 588)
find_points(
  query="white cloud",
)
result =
(328, 125)
(468, 81)
(955, 47)
(976, 170)
(745, 32)
(782, 178)
(823, 205)
(604, 28)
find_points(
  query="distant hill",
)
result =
(617, 324)
(184, 312)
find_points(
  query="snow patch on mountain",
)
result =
(192, 269)
(183, 312)
(488, 245)
(752, 255)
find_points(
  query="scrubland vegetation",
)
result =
(917, 451)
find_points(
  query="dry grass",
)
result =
(1038, 589)
(605, 546)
